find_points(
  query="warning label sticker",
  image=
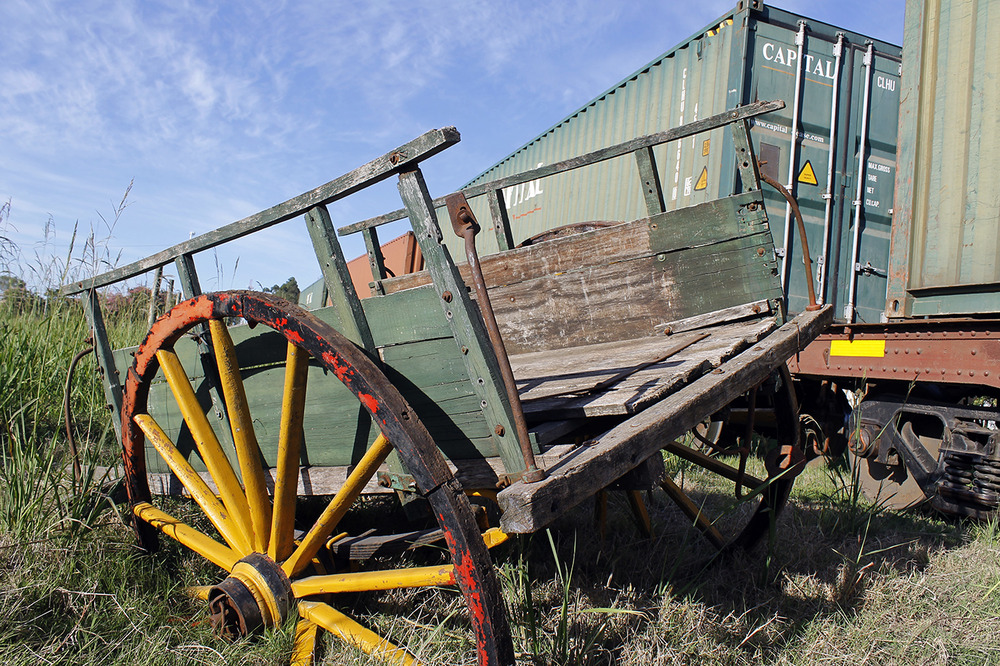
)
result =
(702, 180)
(807, 175)
(706, 147)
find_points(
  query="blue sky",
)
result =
(215, 110)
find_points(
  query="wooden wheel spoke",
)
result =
(306, 641)
(195, 485)
(199, 542)
(375, 580)
(247, 450)
(351, 632)
(693, 512)
(289, 445)
(205, 439)
(713, 465)
(324, 526)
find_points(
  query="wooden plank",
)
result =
(716, 317)
(106, 360)
(501, 221)
(645, 162)
(629, 299)
(401, 159)
(696, 127)
(327, 480)
(703, 224)
(543, 379)
(530, 507)
(406, 317)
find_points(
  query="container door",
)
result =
(799, 162)
(868, 186)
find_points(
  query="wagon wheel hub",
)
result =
(257, 594)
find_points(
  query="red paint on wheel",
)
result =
(343, 372)
(465, 570)
(294, 337)
(369, 401)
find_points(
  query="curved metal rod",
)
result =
(802, 234)
(68, 416)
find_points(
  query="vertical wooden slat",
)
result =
(652, 192)
(375, 258)
(105, 360)
(501, 221)
(462, 315)
(337, 278)
(153, 293)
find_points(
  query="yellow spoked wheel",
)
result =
(731, 488)
(269, 575)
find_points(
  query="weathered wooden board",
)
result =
(705, 224)
(544, 378)
(629, 299)
(585, 470)
(479, 473)
(628, 280)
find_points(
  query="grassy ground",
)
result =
(840, 583)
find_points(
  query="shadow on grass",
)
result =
(825, 561)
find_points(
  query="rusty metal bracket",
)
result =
(402, 482)
(464, 223)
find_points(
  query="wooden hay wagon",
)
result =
(620, 340)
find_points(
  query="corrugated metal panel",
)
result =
(681, 86)
(946, 243)
(748, 54)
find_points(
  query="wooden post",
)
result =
(105, 360)
(466, 325)
(652, 192)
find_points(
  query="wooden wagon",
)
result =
(616, 342)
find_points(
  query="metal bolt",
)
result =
(465, 350)
(499, 430)
(760, 252)
(446, 296)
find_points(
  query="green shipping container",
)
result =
(841, 90)
(946, 239)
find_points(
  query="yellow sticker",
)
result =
(864, 348)
(702, 180)
(705, 146)
(807, 175)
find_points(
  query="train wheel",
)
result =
(732, 492)
(269, 568)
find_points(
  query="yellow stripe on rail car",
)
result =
(863, 348)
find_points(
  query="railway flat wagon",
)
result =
(525, 383)
(926, 429)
